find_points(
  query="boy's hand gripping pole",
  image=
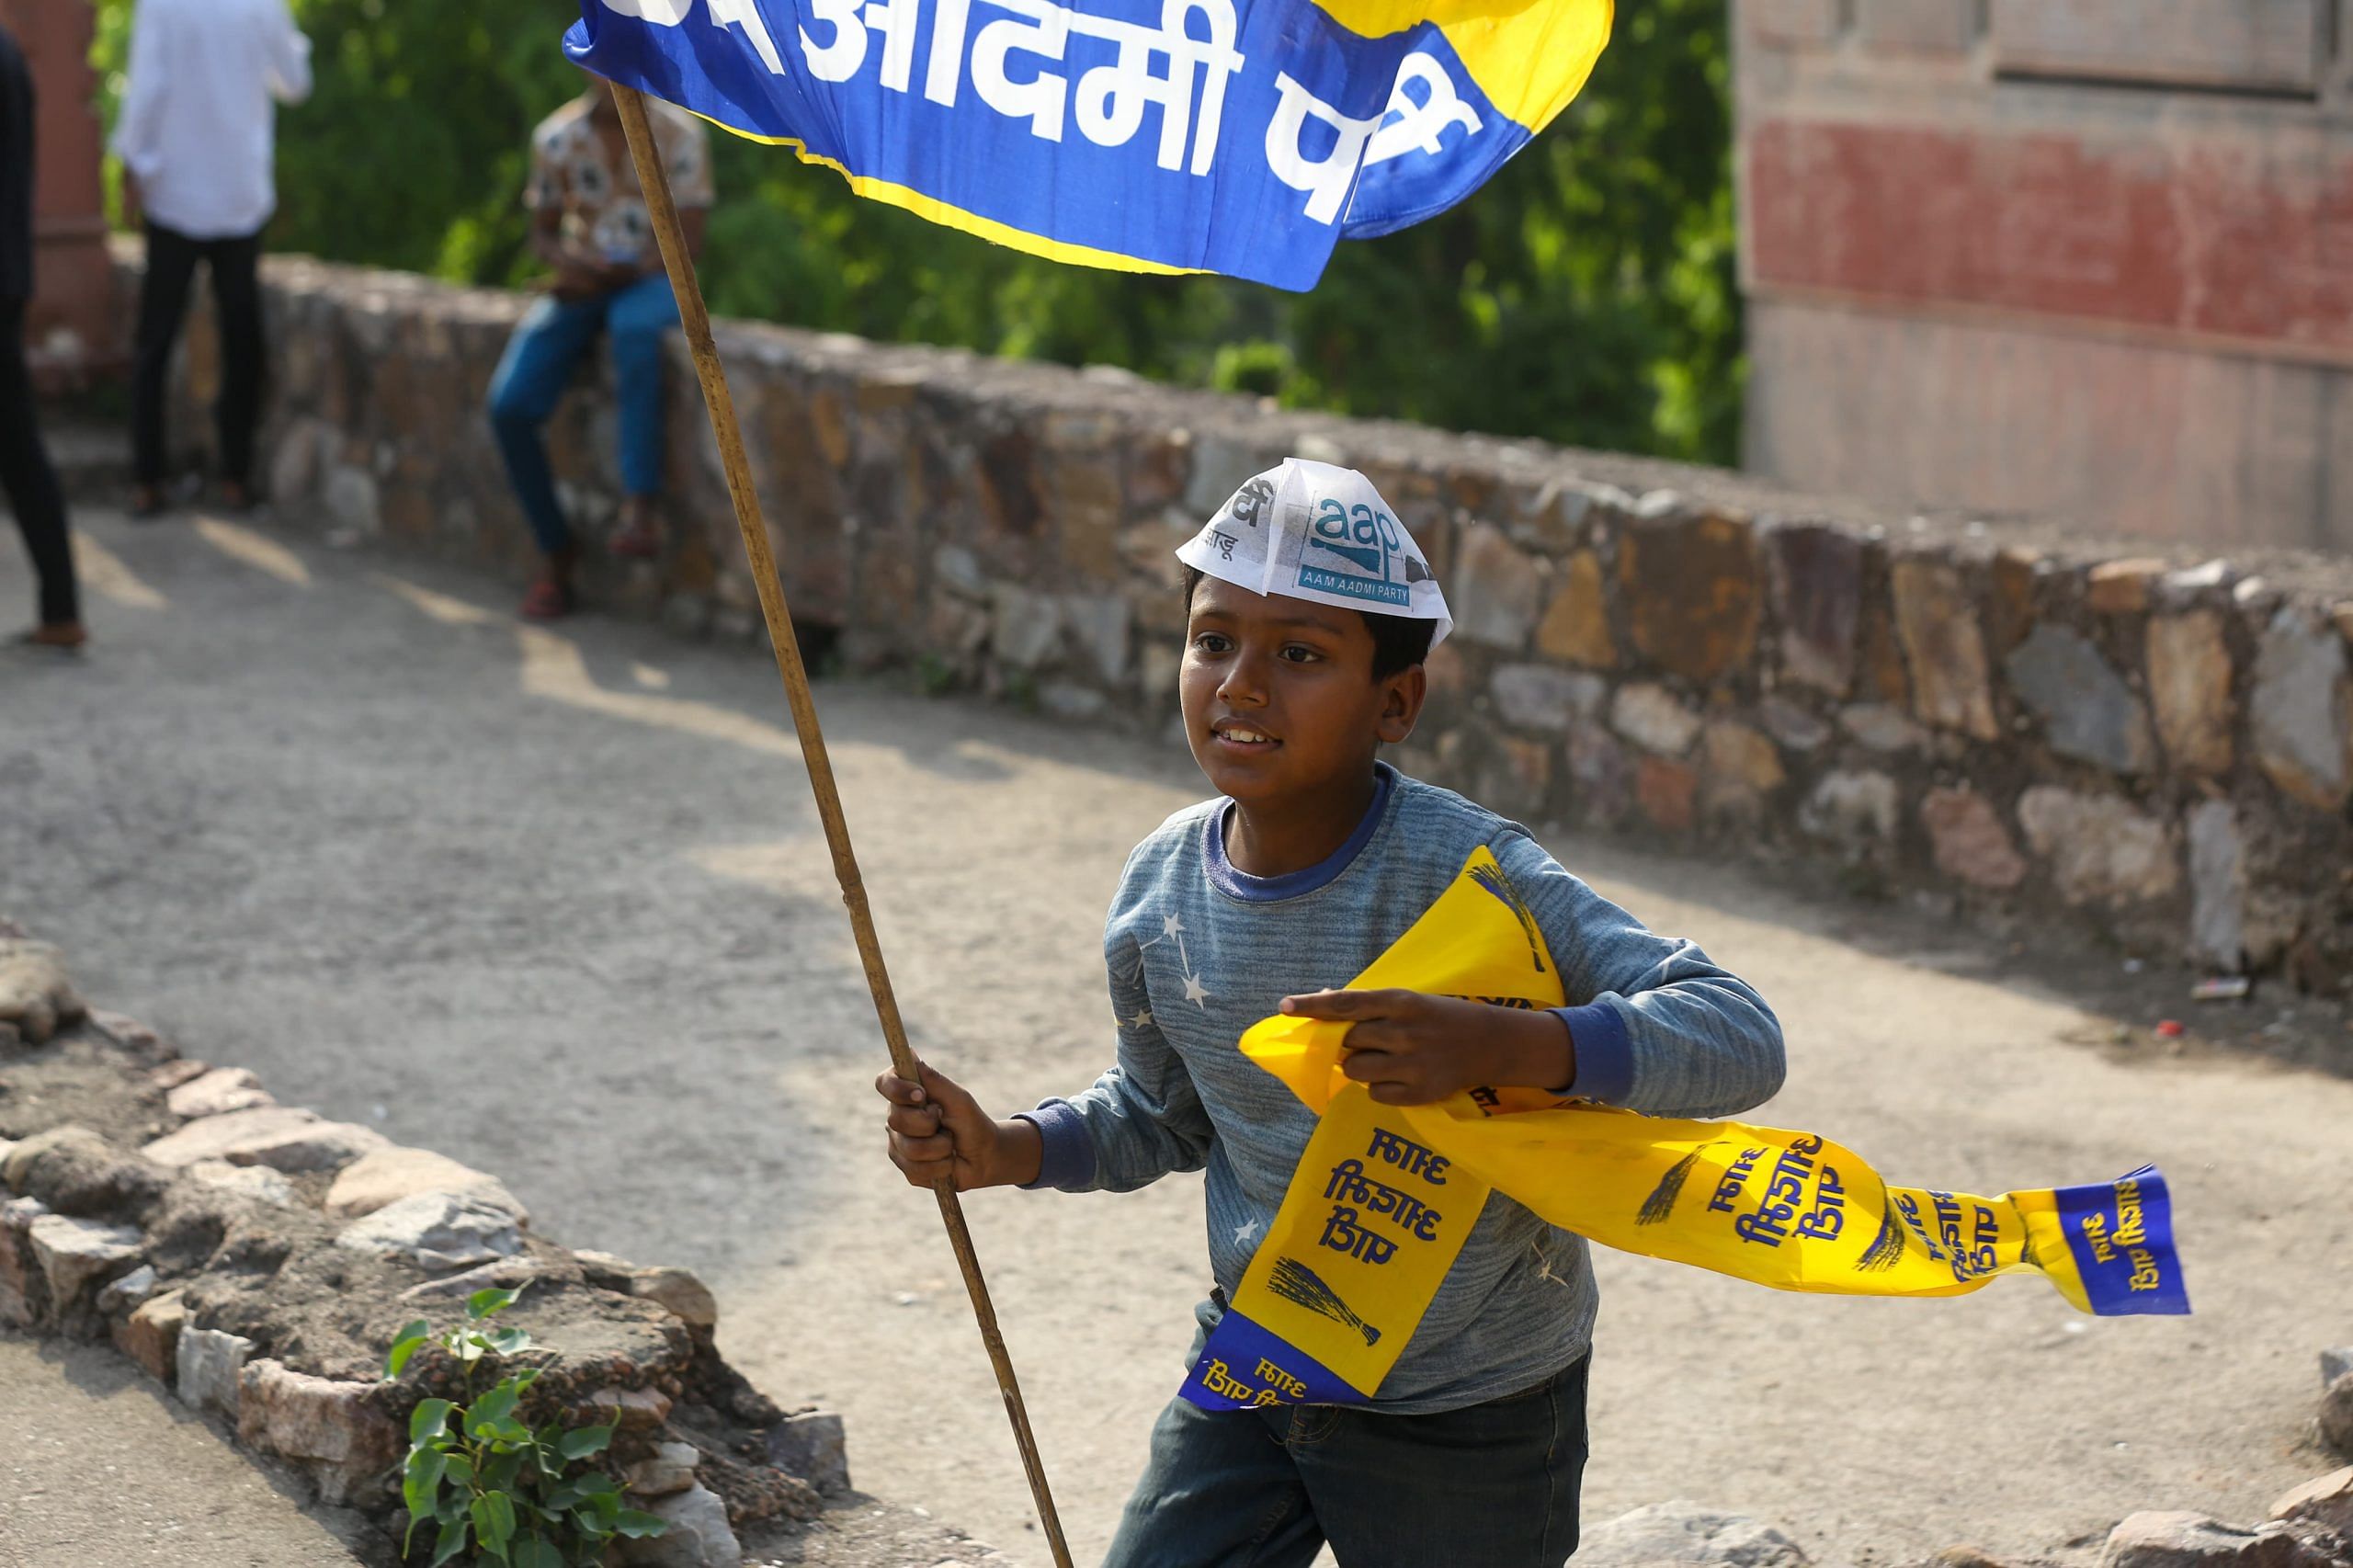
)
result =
(696, 319)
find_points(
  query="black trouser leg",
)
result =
(163, 303)
(28, 478)
(236, 290)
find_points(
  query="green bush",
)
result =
(1585, 295)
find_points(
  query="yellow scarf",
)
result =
(1384, 1196)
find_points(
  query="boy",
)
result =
(1311, 612)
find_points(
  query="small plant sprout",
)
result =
(494, 1489)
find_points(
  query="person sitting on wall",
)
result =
(589, 223)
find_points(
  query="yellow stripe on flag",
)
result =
(1514, 48)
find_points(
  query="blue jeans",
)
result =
(1492, 1486)
(539, 362)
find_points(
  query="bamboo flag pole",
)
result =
(696, 319)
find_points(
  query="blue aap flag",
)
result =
(1235, 136)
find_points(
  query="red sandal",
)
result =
(638, 541)
(66, 636)
(546, 599)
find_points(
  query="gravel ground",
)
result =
(97, 1465)
(554, 903)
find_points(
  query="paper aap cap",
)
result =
(1312, 530)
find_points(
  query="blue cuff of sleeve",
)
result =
(1605, 1053)
(1068, 1159)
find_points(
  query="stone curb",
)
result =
(259, 1259)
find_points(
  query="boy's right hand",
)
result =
(937, 1130)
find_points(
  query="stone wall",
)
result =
(259, 1260)
(1989, 716)
(69, 322)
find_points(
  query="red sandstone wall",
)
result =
(2088, 257)
(71, 321)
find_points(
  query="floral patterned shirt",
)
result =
(594, 187)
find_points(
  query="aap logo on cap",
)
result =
(1312, 530)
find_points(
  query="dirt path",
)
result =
(97, 1465)
(554, 903)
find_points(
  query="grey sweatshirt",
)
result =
(1199, 951)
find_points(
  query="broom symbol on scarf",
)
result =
(1301, 1286)
(1492, 879)
(1888, 1245)
(1661, 1202)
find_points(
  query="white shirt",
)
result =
(196, 120)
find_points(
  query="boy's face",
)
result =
(1279, 695)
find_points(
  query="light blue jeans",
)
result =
(537, 365)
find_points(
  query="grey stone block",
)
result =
(2100, 849)
(2173, 1540)
(1684, 1533)
(2324, 1502)
(439, 1230)
(1654, 718)
(211, 1363)
(2301, 710)
(699, 1535)
(1539, 697)
(813, 1447)
(2087, 710)
(76, 1254)
(2217, 888)
(2337, 1413)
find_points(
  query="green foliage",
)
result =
(934, 677)
(412, 149)
(1587, 295)
(484, 1480)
